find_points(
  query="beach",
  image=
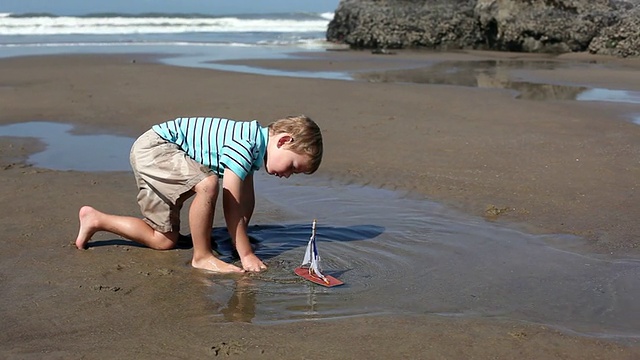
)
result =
(544, 167)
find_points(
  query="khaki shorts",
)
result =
(165, 176)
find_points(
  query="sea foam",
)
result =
(113, 24)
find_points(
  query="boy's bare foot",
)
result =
(88, 226)
(253, 263)
(215, 265)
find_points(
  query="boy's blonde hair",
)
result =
(307, 138)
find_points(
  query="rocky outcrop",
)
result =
(543, 26)
(622, 38)
(405, 23)
(601, 26)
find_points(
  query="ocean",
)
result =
(187, 39)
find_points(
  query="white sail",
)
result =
(311, 256)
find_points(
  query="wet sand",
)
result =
(547, 167)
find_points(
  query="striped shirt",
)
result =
(219, 143)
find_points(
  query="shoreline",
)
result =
(467, 148)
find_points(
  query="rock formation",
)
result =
(556, 26)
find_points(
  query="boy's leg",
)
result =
(92, 221)
(200, 218)
(165, 176)
(200, 221)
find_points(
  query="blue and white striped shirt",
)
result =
(219, 143)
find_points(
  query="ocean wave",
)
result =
(301, 43)
(327, 15)
(125, 44)
(153, 23)
(288, 16)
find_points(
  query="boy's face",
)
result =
(281, 161)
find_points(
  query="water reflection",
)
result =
(241, 306)
(622, 96)
(497, 74)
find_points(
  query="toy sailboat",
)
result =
(310, 268)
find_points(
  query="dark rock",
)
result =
(404, 23)
(621, 39)
(554, 26)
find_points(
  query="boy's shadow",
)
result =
(269, 241)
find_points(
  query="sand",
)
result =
(545, 166)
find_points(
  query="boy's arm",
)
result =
(237, 219)
(248, 199)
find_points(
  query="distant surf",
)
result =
(156, 23)
(240, 29)
(193, 39)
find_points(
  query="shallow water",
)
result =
(504, 74)
(68, 151)
(489, 74)
(402, 255)
(397, 254)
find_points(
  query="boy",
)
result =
(179, 158)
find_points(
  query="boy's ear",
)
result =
(284, 139)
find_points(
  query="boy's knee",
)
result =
(165, 241)
(208, 185)
(167, 245)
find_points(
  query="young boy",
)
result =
(179, 158)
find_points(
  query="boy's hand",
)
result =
(252, 263)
